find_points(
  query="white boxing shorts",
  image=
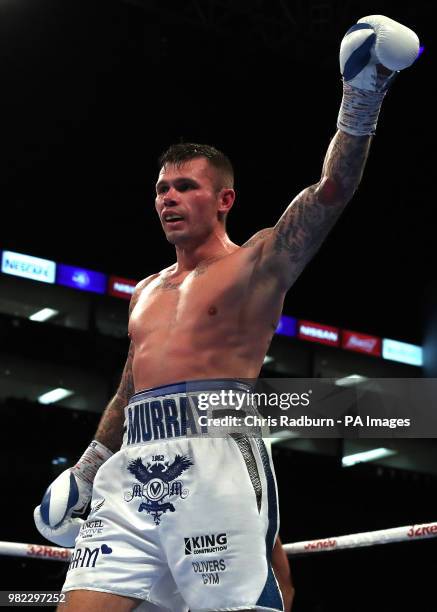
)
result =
(185, 515)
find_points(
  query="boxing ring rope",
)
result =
(359, 540)
(408, 533)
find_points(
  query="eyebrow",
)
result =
(179, 179)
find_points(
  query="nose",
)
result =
(170, 197)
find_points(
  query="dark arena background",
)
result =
(91, 94)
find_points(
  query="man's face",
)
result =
(188, 193)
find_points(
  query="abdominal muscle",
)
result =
(176, 359)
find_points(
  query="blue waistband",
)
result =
(192, 386)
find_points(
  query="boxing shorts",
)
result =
(185, 515)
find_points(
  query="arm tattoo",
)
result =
(345, 161)
(309, 218)
(299, 230)
(134, 300)
(258, 237)
(127, 387)
(110, 429)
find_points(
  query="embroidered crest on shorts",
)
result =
(158, 478)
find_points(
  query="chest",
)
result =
(200, 296)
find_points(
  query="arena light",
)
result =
(55, 395)
(81, 278)
(361, 343)
(121, 287)
(348, 381)
(287, 326)
(282, 436)
(44, 315)
(316, 332)
(402, 352)
(370, 455)
(268, 359)
(27, 266)
(59, 461)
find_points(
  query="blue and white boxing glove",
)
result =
(69, 494)
(371, 53)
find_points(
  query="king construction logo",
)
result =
(206, 543)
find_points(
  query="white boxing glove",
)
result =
(376, 40)
(371, 53)
(69, 494)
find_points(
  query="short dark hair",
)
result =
(178, 154)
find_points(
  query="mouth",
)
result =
(172, 220)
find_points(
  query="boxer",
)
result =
(179, 518)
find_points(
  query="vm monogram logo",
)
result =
(159, 480)
(156, 489)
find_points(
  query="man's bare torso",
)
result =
(216, 321)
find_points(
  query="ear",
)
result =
(226, 200)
